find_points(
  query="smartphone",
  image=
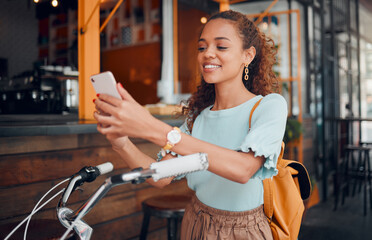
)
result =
(105, 83)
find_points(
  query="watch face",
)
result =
(174, 137)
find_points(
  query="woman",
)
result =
(235, 61)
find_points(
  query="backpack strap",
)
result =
(267, 183)
(269, 191)
(251, 114)
(268, 198)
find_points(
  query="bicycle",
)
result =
(72, 220)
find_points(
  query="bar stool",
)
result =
(171, 207)
(365, 143)
(358, 172)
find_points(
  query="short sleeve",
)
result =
(266, 134)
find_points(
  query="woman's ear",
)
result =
(249, 54)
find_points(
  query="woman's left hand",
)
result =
(123, 117)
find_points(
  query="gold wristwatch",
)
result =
(173, 137)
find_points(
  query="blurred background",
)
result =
(49, 48)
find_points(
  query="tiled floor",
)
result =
(347, 222)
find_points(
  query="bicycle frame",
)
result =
(72, 219)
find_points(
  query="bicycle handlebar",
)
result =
(167, 168)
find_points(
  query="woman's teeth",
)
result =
(211, 66)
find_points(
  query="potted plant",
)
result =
(292, 134)
(293, 130)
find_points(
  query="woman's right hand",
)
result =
(117, 141)
(126, 117)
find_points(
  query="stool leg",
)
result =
(369, 180)
(365, 180)
(145, 225)
(336, 187)
(172, 228)
(345, 177)
(357, 172)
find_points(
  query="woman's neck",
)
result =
(230, 96)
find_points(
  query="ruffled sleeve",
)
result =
(266, 133)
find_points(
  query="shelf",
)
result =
(121, 46)
(59, 31)
(135, 22)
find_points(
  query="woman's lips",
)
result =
(210, 67)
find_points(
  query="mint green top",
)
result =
(228, 128)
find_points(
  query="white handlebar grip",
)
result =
(178, 166)
(105, 168)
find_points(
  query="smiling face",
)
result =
(221, 57)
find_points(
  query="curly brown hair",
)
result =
(262, 79)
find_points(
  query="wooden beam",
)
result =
(175, 47)
(88, 55)
(110, 15)
(265, 12)
(84, 27)
(299, 84)
(224, 5)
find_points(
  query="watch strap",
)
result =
(169, 145)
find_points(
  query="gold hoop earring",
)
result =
(246, 71)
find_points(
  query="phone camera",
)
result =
(92, 80)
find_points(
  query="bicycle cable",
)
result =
(41, 199)
(38, 209)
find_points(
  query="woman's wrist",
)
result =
(122, 145)
(158, 133)
(118, 149)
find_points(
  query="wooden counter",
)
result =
(51, 151)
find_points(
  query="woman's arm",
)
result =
(135, 158)
(235, 166)
(129, 118)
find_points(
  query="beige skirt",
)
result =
(201, 222)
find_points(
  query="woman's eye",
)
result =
(200, 49)
(221, 48)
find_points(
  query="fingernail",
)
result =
(98, 95)
(94, 100)
(121, 85)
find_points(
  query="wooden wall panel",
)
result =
(28, 176)
(137, 68)
(21, 145)
(189, 29)
(44, 166)
(9, 196)
(112, 208)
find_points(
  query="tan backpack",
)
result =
(284, 195)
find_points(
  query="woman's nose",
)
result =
(209, 53)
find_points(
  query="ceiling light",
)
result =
(265, 26)
(55, 3)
